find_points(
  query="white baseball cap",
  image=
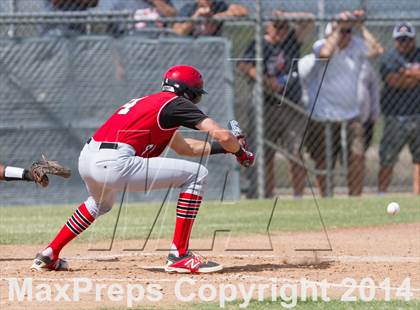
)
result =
(404, 29)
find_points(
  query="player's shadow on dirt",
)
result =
(261, 267)
(272, 267)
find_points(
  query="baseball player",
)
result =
(124, 153)
(38, 172)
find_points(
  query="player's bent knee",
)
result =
(197, 181)
(97, 209)
(201, 177)
(92, 207)
(197, 173)
(202, 174)
(104, 208)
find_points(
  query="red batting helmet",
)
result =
(185, 81)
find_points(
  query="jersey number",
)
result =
(126, 107)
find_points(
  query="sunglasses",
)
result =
(404, 39)
(346, 30)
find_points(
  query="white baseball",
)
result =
(393, 208)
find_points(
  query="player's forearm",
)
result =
(227, 140)
(223, 136)
(197, 148)
(8, 173)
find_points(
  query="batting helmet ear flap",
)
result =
(182, 89)
(184, 80)
(174, 86)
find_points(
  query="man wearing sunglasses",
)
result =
(400, 101)
(343, 53)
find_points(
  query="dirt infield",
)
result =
(377, 253)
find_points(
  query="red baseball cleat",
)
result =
(191, 263)
(45, 263)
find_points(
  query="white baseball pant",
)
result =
(107, 171)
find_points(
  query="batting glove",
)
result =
(245, 157)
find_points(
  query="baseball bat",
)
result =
(235, 128)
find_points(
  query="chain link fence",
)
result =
(327, 122)
(56, 92)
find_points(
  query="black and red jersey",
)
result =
(148, 123)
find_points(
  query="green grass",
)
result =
(34, 225)
(312, 305)
(304, 305)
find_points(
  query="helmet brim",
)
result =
(199, 91)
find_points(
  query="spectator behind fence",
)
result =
(206, 9)
(67, 5)
(400, 100)
(282, 123)
(338, 101)
(368, 93)
(143, 10)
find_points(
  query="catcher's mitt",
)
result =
(39, 171)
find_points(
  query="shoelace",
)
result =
(199, 257)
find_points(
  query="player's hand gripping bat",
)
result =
(243, 156)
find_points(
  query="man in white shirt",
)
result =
(337, 102)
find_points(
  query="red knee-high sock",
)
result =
(186, 211)
(77, 223)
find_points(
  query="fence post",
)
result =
(259, 100)
(321, 15)
(344, 148)
(12, 29)
(329, 158)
